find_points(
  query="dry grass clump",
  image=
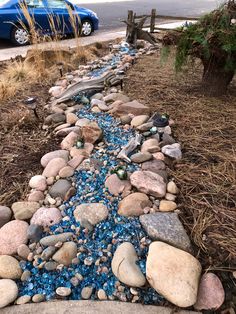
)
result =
(206, 175)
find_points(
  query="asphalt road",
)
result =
(110, 12)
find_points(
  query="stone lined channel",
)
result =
(101, 222)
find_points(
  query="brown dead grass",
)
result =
(206, 175)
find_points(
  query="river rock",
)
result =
(173, 273)
(166, 227)
(65, 131)
(170, 197)
(145, 127)
(36, 196)
(66, 172)
(12, 234)
(85, 151)
(141, 157)
(150, 146)
(23, 300)
(23, 251)
(56, 91)
(102, 295)
(116, 96)
(66, 253)
(154, 166)
(37, 298)
(9, 267)
(55, 238)
(8, 292)
(46, 217)
(125, 119)
(38, 183)
(5, 215)
(124, 266)
(76, 161)
(98, 96)
(63, 291)
(70, 140)
(24, 210)
(53, 167)
(60, 188)
(55, 118)
(34, 232)
(173, 151)
(172, 188)
(167, 206)
(139, 120)
(61, 153)
(211, 294)
(71, 118)
(91, 133)
(134, 204)
(82, 122)
(159, 156)
(93, 213)
(86, 293)
(149, 183)
(116, 186)
(133, 107)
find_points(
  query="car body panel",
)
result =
(10, 13)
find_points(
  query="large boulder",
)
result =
(124, 266)
(173, 273)
(149, 183)
(134, 204)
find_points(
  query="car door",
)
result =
(61, 11)
(40, 14)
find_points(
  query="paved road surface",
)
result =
(111, 11)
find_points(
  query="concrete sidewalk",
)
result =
(90, 307)
(8, 53)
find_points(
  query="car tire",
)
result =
(86, 28)
(19, 36)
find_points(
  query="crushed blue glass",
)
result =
(109, 233)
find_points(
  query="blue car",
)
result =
(13, 21)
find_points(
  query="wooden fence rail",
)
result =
(132, 17)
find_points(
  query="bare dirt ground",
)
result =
(206, 128)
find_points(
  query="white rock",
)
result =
(38, 183)
(124, 266)
(173, 273)
(8, 292)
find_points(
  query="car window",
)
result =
(35, 3)
(57, 4)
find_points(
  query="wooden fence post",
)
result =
(153, 21)
(129, 20)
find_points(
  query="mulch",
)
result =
(206, 128)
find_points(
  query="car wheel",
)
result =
(19, 36)
(86, 28)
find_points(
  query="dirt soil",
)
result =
(206, 129)
(22, 140)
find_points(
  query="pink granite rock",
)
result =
(91, 133)
(38, 183)
(61, 153)
(211, 294)
(13, 234)
(46, 217)
(76, 161)
(133, 107)
(69, 140)
(116, 186)
(149, 183)
(53, 167)
(36, 196)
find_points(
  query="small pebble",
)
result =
(26, 275)
(102, 294)
(63, 291)
(23, 300)
(86, 293)
(37, 298)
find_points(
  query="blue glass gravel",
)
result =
(113, 231)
